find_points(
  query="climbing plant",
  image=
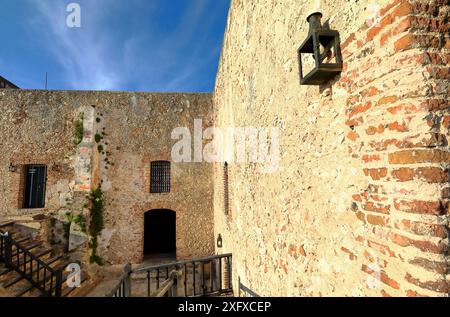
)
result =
(96, 224)
(78, 130)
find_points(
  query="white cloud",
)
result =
(86, 58)
(148, 57)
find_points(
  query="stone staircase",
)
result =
(13, 284)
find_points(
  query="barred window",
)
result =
(160, 177)
(226, 196)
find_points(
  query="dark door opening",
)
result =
(160, 232)
(35, 179)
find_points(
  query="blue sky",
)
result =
(125, 45)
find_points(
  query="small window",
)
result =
(34, 189)
(226, 195)
(160, 177)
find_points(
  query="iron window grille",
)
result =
(160, 177)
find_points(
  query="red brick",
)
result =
(348, 41)
(351, 255)
(353, 100)
(376, 220)
(439, 72)
(376, 173)
(427, 141)
(380, 208)
(419, 156)
(384, 278)
(381, 248)
(370, 92)
(395, 126)
(446, 193)
(370, 158)
(432, 266)
(385, 37)
(424, 229)
(411, 293)
(354, 122)
(372, 32)
(446, 122)
(403, 26)
(353, 136)
(361, 216)
(385, 294)
(403, 174)
(374, 130)
(425, 246)
(424, 8)
(404, 43)
(440, 286)
(402, 10)
(433, 174)
(378, 198)
(421, 207)
(391, 5)
(407, 108)
(386, 100)
(302, 250)
(359, 109)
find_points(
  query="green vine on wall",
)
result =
(96, 223)
(78, 220)
(98, 138)
(78, 130)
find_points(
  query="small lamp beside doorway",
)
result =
(219, 241)
(13, 167)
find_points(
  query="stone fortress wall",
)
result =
(37, 127)
(360, 203)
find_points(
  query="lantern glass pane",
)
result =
(327, 49)
(308, 63)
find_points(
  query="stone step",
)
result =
(6, 224)
(71, 291)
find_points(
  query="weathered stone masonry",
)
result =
(37, 127)
(360, 204)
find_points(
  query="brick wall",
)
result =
(359, 206)
(398, 119)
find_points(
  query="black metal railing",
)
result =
(244, 291)
(123, 287)
(169, 288)
(2, 248)
(208, 276)
(31, 268)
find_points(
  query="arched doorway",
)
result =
(160, 233)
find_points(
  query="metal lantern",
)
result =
(323, 45)
(13, 168)
(56, 167)
(219, 241)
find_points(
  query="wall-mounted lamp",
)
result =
(13, 167)
(219, 241)
(56, 167)
(323, 45)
